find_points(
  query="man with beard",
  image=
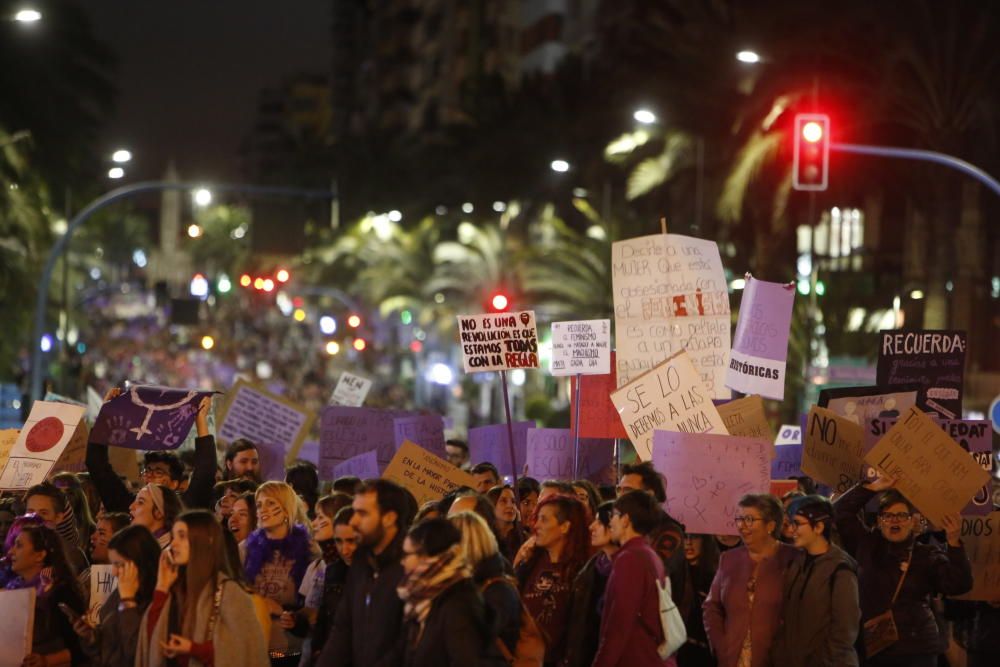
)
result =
(369, 617)
(242, 461)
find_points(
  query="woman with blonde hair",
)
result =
(278, 553)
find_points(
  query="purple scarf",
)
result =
(294, 547)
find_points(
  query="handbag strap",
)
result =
(902, 578)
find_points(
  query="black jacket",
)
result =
(933, 571)
(455, 633)
(117, 636)
(584, 631)
(503, 605)
(333, 590)
(369, 618)
(116, 497)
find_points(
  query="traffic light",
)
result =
(499, 302)
(811, 159)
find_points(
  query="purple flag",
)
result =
(550, 456)
(148, 417)
(760, 344)
(489, 443)
(424, 430)
(364, 466)
(347, 431)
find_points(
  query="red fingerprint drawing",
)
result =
(44, 435)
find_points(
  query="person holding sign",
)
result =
(898, 575)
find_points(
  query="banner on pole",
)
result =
(581, 348)
(498, 341)
(550, 455)
(760, 345)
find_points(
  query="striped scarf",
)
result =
(433, 576)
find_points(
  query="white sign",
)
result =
(103, 583)
(351, 390)
(498, 341)
(17, 629)
(41, 442)
(581, 348)
(790, 434)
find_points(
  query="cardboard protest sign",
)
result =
(351, 390)
(933, 360)
(931, 469)
(18, 628)
(363, 466)
(498, 341)
(708, 474)
(346, 432)
(41, 443)
(73, 458)
(489, 443)
(8, 437)
(760, 344)
(424, 475)
(581, 348)
(550, 454)
(862, 404)
(670, 397)
(125, 462)
(833, 449)
(103, 583)
(269, 421)
(670, 294)
(148, 417)
(745, 417)
(424, 430)
(981, 540)
(598, 415)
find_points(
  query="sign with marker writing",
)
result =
(862, 404)
(550, 455)
(346, 432)
(598, 415)
(745, 417)
(787, 461)
(351, 390)
(670, 397)
(363, 466)
(103, 583)
(425, 430)
(981, 541)
(270, 421)
(498, 341)
(489, 444)
(833, 449)
(931, 469)
(934, 360)
(8, 437)
(41, 443)
(148, 417)
(424, 475)
(670, 294)
(581, 348)
(18, 628)
(708, 474)
(760, 345)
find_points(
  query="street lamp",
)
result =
(28, 15)
(561, 166)
(748, 57)
(644, 116)
(202, 197)
(115, 173)
(121, 156)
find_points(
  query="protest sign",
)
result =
(833, 449)
(760, 344)
(933, 360)
(18, 628)
(981, 542)
(779, 487)
(745, 417)
(351, 390)
(53, 397)
(148, 417)
(787, 462)
(40, 444)
(550, 454)
(581, 348)
(708, 475)
(931, 469)
(790, 434)
(498, 341)
(347, 431)
(489, 443)
(309, 451)
(73, 458)
(424, 430)
(8, 437)
(103, 583)
(266, 419)
(862, 404)
(125, 462)
(598, 415)
(670, 397)
(670, 294)
(363, 466)
(424, 475)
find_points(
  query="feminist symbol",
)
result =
(143, 429)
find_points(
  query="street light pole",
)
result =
(107, 199)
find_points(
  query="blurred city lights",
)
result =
(803, 286)
(332, 348)
(95, 273)
(246, 280)
(749, 57)
(258, 283)
(440, 210)
(439, 298)
(202, 197)
(812, 131)
(440, 373)
(560, 166)
(284, 303)
(238, 233)
(406, 317)
(116, 173)
(416, 346)
(395, 216)
(46, 343)
(194, 231)
(224, 284)
(282, 275)
(207, 342)
(360, 344)
(467, 207)
(121, 156)
(738, 283)
(199, 285)
(328, 325)
(354, 321)
(299, 315)
(264, 370)
(517, 377)
(28, 16)
(499, 206)
(139, 257)
(268, 285)
(644, 116)
(499, 302)
(820, 288)
(917, 294)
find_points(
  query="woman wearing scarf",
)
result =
(443, 613)
(277, 556)
(156, 507)
(199, 615)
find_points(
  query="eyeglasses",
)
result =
(155, 472)
(747, 521)
(895, 517)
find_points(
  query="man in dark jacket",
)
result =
(369, 617)
(822, 617)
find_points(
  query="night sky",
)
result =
(190, 71)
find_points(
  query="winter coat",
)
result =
(821, 620)
(333, 589)
(117, 635)
(503, 604)
(585, 623)
(931, 572)
(455, 633)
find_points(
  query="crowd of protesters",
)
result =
(215, 566)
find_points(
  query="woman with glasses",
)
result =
(898, 575)
(744, 605)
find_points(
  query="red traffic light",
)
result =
(811, 157)
(812, 131)
(499, 302)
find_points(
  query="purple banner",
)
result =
(787, 462)
(364, 466)
(148, 417)
(424, 430)
(309, 451)
(347, 431)
(550, 456)
(489, 443)
(760, 344)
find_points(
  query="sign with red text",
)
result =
(498, 341)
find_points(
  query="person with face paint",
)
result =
(898, 574)
(588, 590)
(155, 507)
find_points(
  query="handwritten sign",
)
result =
(40, 444)
(551, 453)
(581, 348)
(598, 415)
(833, 451)
(346, 432)
(931, 469)
(8, 437)
(425, 430)
(934, 360)
(73, 458)
(760, 345)
(708, 474)
(670, 294)
(18, 627)
(266, 419)
(362, 466)
(489, 443)
(787, 461)
(981, 539)
(351, 390)
(498, 341)
(745, 417)
(148, 417)
(103, 583)
(862, 404)
(670, 397)
(426, 476)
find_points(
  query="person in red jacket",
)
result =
(630, 624)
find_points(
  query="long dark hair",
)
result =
(207, 542)
(45, 539)
(137, 544)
